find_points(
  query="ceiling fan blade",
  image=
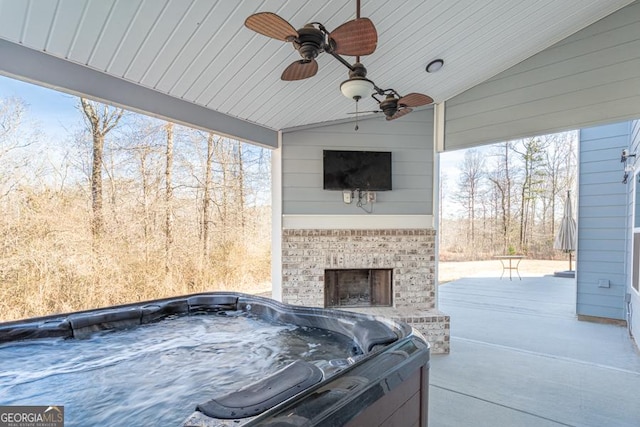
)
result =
(300, 70)
(401, 112)
(364, 112)
(271, 25)
(355, 38)
(415, 100)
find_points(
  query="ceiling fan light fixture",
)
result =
(357, 88)
(435, 65)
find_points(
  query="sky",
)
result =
(450, 160)
(52, 114)
(55, 111)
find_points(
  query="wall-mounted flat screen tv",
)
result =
(357, 170)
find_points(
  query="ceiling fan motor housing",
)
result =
(310, 42)
(389, 106)
(358, 70)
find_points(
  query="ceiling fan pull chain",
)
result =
(357, 114)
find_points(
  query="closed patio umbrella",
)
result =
(566, 237)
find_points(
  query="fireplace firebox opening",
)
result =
(358, 288)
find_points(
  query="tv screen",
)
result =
(352, 170)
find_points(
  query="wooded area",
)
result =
(508, 198)
(131, 208)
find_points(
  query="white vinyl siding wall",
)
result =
(603, 220)
(410, 140)
(589, 78)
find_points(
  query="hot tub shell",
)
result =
(385, 385)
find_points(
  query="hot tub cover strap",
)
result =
(264, 394)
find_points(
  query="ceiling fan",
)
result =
(357, 37)
(395, 106)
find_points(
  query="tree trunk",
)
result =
(145, 203)
(206, 204)
(110, 169)
(100, 123)
(523, 213)
(224, 163)
(241, 187)
(97, 226)
(168, 199)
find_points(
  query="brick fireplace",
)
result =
(309, 255)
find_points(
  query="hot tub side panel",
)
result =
(404, 406)
(388, 389)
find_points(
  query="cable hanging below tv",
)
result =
(357, 170)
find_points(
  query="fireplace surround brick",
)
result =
(306, 253)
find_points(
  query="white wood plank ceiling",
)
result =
(200, 51)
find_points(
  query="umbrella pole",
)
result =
(569, 260)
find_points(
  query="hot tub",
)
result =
(217, 359)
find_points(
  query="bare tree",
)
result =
(17, 136)
(52, 267)
(224, 159)
(144, 146)
(442, 195)
(531, 155)
(554, 168)
(520, 201)
(101, 119)
(469, 188)
(502, 181)
(206, 203)
(168, 199)
(241, 181)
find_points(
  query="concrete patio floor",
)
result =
(519, 357)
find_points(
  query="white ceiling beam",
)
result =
(46, 70)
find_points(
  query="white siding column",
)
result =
(276, 221)
(439, 122)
